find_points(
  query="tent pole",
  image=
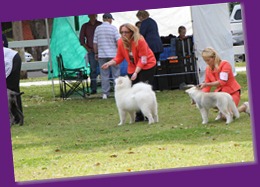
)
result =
(51, 71)
(76, 24)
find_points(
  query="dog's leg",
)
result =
(147, 111)
(204, 115)
(11, 117)
(132, 117)
(228, 115)
(11, 114)
(18, 112)
(156, 118)
(21, 117)
(155, 114)
(219, 116)
(229, 118)
(149, 115)
(150, 118)
(122, 115)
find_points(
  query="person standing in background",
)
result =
(149, 30)
(138, 24)
(105, 47)
(86, 39)
(182, 32)
(13, 64)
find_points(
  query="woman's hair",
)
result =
(211, 53)
(138, 23)
(135, 35)
(143, 13)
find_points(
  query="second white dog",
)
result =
(222, 100)
(130, 99)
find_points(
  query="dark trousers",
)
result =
(157, 56)
(13, 80)
(94, 71)
(146, 76)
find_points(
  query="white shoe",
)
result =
(247, 108)
(104, 96)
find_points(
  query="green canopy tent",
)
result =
(65, 41)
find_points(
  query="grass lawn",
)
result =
(80, 137)
(240, 64)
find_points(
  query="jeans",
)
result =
(105, 74)
(93, 70)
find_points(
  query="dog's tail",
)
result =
(234, 108)
(17, 94)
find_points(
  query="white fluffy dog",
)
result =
(130, 99)
(206, 100)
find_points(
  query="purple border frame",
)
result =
(228, 175)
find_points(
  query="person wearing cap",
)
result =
(149, 30)
(86, 36)
(105, 47)
(140, 58)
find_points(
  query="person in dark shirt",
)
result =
(149, 30)
(13, 65)
(138, 24)
(86, 40)
(182, 32)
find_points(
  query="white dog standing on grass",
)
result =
(206, 100)
(130, 99)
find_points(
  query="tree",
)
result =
(231, 6)
(18, 36)
(38, 28)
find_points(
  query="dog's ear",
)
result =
(182, 86)
(188, 90)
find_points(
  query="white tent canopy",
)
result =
(212, 29)
(209, 24)
(168, 19)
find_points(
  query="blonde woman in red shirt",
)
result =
(219, 75)
(133, 48)
(140, 58)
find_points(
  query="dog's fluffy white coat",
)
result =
(130, 99)
(206, 100)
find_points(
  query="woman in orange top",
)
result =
(219, 75)
(140, 58)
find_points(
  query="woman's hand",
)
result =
(134, 76)
(105, 66)
(202, 85)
